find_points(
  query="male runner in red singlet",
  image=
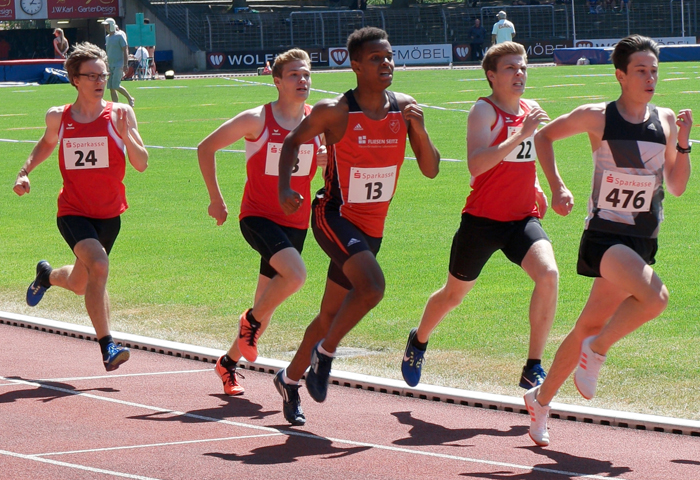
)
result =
(94, 136)
(277, 237)
(502, 211)
(365, 130)
(636, 146)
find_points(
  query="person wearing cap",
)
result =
(503, 30)
(118, 59)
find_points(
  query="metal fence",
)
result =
(423, 24)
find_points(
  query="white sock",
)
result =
(324, 352)
(288, 380)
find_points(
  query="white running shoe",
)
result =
(586, 376)
(538, 418)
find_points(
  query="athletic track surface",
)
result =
(162, 417)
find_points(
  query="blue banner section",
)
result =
(670, 53)
(569, 56)
(26, 70)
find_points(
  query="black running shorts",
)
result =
(75, 228)
(594, 245)
(267, 238)
(478, 238)
(340, 239)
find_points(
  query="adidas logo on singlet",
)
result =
(651, 126)
(358, 128)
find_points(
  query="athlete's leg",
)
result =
(96, 262)
(441, 303)
(271, 292)
(71, 277)
(603, 301)
(333, 298)
(368, 285)
(113, 95)
(124, 92)
(648, 298)
(540, 265)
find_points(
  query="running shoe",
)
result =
(36, 290)
(291, 403)
(248, 335)
(538, 418)
(116, 355)
(532, 377)
(586, 376)
(317, 377)
(230, 379)
(412, 362)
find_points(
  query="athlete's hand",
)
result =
(290, 201)
(562, 201)
(413, 114)
(123, 123)
(21, 185)
(322, 156)
(684, 120)
(219, 212)
(533, 120)
(541, 200)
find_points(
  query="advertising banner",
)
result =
(252, 59)
(611, 42)
(57, 9)
(60, 9)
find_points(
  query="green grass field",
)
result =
(176, 276)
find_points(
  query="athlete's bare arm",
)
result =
(328, 117)
(427, 155)
(128, 129)
(249, 125)
(481, 156)
(584, 119)
(676, 164)
(41, 151)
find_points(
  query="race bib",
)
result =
(301, 168)
(369, 185)
(626, 193)
(525, 151)
(85, 153)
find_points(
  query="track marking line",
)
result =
(98, 377)
(312, 436)
(164, 444)
(74, 465)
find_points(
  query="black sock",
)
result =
(45, 280)
(104, 343)
(253, 322)
(419, 345)
(531, 362)
(227, 362)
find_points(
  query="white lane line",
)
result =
(98, 377)
(311, 436)
(75, 466)
(195, 148)
(165, 444)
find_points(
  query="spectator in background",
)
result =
(4, 49)
(117, 58)
(503, 30)
(477, 35)
(60, 44)
(151, 54)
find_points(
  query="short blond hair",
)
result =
(82, 52)
(288, 57)
(496, 52)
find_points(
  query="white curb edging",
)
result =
(366, 382)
